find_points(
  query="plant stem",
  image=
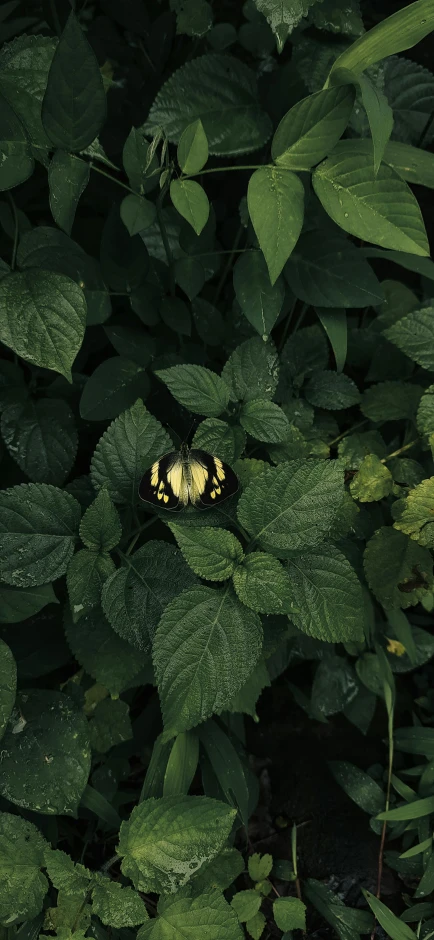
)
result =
(400, 450)
(137, 534)
(228, 265)
(348, 431)
(287, 325)
(167, 248)
(390, 714)
(112, 178)
(300, 317)
(16, 230)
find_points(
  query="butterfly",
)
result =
(188, 476)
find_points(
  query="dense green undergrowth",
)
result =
(208, 232)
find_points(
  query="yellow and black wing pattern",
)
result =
(212, 480)
(190, 476)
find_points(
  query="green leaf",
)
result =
(17, 605)
(304, 352)
(333, 687)
(265, 421)
(338, 16)
(136, 595)
(190, 275)
(252, 370)
(109, 725)
(283, 16)
(97, 804)
(417, 809)
(222, 92)
(256, 926)
(182, 764)
(416, 740)
(289, 914)
(331, 390)
(74, 105)
(24, 67)
(45, 759)
(42, 318)
(260, 866)
(399, 572)
(197, 388)
(17, 161)
(112, 388)
(246, 699)
(117, 906)
(220, 872)
(226, 441)
(100, 527)
(38, 527)
(192, 917)
(413, 335)
(410, 91)
(378, 110)
(373, 480)
(355, 447)
(216, 641)
(292, 506)
(129, 446)
(166, 841)
(212, 553)
(378, 208)
(246, 904)
(209, 322)
(64, 873)
(41, 437)
(263, 584)
(105, 656)
(137, 213)
(327, 596)
(193, 148)
(391, 401)
(131, 343)
(68, 177)
(329, 271)
(227, 767)
(391, 924)
(23, 886)
(191, 201)
(275, 199)
(347, 921)
(85, 577)
(359, 786)
(335, 325)
(124, 258)
(416, 520)
(176, 315)
(260, 302)
(311, 128)
(8, 685)
(425, 412)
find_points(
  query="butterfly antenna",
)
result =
(192, 427)
(175, 433)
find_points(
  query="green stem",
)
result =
(16, 230)
(113, 179)
(287, 325)
(300, 317)
(137, 534)
(349, 431)
(400, 450)
(167, 248)
(228, 265)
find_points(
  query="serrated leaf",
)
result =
(112, 388)
(166, 841)
(311, 128)
(246, 699)
(8, 685)
(129, 446)
(64, 873)
(304, 352)
(390, 401)
(262, 584)
(74, 105)
(24, 67)
(212, 553)
(359, 786)
(45, 763)
(353, 448)
(289, 913)
(425, 412)
(118, 906)
(332, 390)
(252, 370)
(197, 388)
(220, 872)
(246, 904)
(260, 866)
(256, 926)
(68, 177)
(191, 201)
(87, 572)
(260, 301)
(41, 437)
(378, 208)
(338, 16)
(135, 597)
(410, 92)
(42, 318)
(192, 916)
(283, 16)
(327, 596)
(104, 655)
(193, 148)
(373, 480)
(265, 421)
(275, 199)
(109, 725)
(398, 571)
(221, 91)
(416, 520)
(413, 335)
(217, 641)
(38, 527)
(292, 506)
(17, 605)
(100, 527)
(23, 886)
(226, 441)
(329, 271)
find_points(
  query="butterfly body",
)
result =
(188, 476)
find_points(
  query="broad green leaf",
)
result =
(109, 725)
(87, 572)
(17, 162)
(311, 128)
(334, 686)
(112, 388)
(137, 213)
(205, 648)
(414, 810)
(142, 175)
(262, 584)
(390, 401)
(327, 596)
(182, 764)
(74, 105)
(23, 886)
(129, 446)
(166, 841)
(391, 924)
(331, 390)
(377, 107)
(348, 922)
(275, 199)
(193, 148)
(338, 16)
(227, 767)
(373, 480)
(68, 177)
(118, 906)
(42, 318)
(136, 595)
(220, 872)
(289, 913)
(425, 412)
(260, 302)
(394, 34)
(190, 276)
(252, 370)
(38, 528)
(222, 92)
(292, 506)
(413, 335)
(377, 208)
(207, 915)
(191, 201)
(212, 553)
(246, 699)
(265, 421)
(132, 343)
(283, 16)
(410, 91)
(41, 437)
(359, 786)
(304, 352)
(226, 441)
(398, 570)
(197, 388)
(19, 604)
(246, 904)
(329, 271)
(416, 520)
(256, 925)
(105, 656)
(45, 758)
(260, 866)
(335, 325)
(100, 527)
(8, 685)
(354, 448)
(24, 67)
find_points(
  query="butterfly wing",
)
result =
(212, 481)
(163, 484)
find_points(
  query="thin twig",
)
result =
(400, 450)
(110, 177)
(348, 431)
(167, 248)
(228, 266)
